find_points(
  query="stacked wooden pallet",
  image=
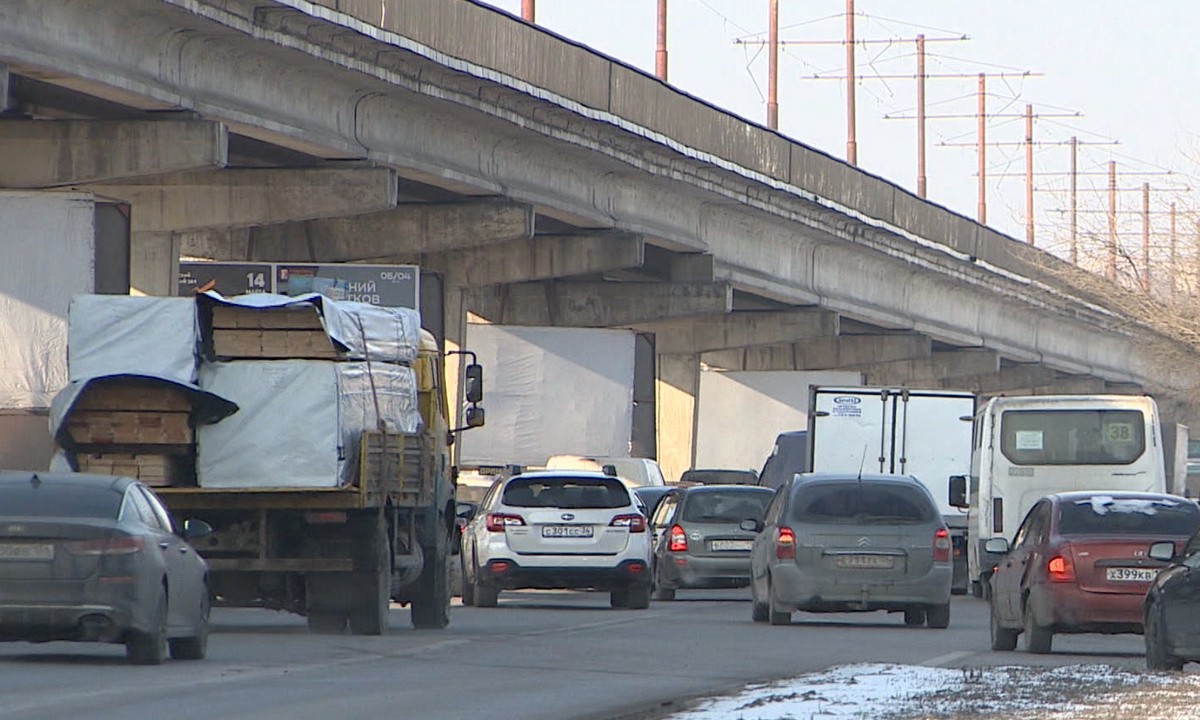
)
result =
(272, 333)
(137, 428)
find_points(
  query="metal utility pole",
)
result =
(1174, 269)
(981, 133)
(921, 116)
(1029, 174)
(527, 10)
(1074, 202)
(1111, 269)
(851, 135)
(1146, 237)
(660, 52)
(773, 66)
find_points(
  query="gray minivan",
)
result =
(838, 542)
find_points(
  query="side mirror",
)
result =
(751, 525)
(475, 417)
(996, 545)
(474, 384)
(610, 470)
(195, 529)
(958, 491)
(1164, 551)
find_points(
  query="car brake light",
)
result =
(1061, 568)
(941, 545)
(498, 522)
(123, 545)
(785, 544)
(677, 541)
(636, 522)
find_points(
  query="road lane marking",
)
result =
(944, 660)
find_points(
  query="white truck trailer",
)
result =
(923, 433)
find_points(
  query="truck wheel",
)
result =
(431, 595)
(326, 622)
(373, 589)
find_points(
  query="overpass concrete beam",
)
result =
(544, 257)
(934, 370)
(597, 304)
(56, 153)
(692, 268)
(1072, 385)
(1015, 379)
(397, 235)
(240, 198)
(740, 329)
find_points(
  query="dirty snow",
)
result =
(907, 692)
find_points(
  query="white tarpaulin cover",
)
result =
(118, 334)
(391, 334)
(299, 420)
(551, 391)
(47, 242)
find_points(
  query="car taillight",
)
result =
(941, 545)
(677, 540)
(124, 545)
(785, 544)
(636, 522)
(1061, 568)
(497, 522)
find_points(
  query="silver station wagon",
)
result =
(851, 543)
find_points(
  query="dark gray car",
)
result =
(845, 543)
(94, 558)
(698, 538)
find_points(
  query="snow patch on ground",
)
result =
(908, 692)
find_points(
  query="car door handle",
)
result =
(164, 545)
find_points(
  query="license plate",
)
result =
(567, 531)
(720, 545)
(26, 551)
(866, 562)
(1131, 574)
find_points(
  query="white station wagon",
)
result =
(557, 529)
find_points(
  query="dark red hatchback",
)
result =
(1078, 564)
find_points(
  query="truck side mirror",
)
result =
(474, 417)
(958, 491)
(474, 384)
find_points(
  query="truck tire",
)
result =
(431, 594)
(373, 587)
(326, 622)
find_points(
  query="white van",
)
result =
(634, 472)
(1032, 446)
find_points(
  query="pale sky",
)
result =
(1130, 69)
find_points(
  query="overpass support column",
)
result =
(678, 384)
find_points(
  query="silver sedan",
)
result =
(95, 558)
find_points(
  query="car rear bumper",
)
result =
(1066, 608)
(89, 623)
(507, 574)
(683, 570)
(793, 587)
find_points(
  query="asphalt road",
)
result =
(539, 655)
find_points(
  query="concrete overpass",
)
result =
(545, 183)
